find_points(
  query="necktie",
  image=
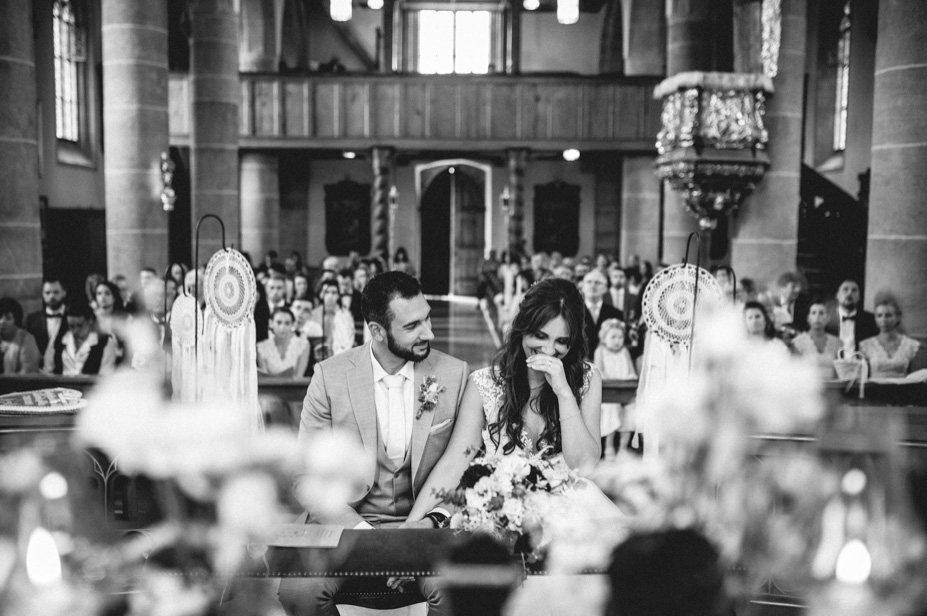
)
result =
(396, 430)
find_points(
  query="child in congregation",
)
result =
(613, 360)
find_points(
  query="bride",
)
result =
(537, 396)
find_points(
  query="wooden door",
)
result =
(468, 218)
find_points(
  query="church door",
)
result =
(452, 230)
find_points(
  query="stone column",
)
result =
(20, 233)
(260, 204)
(517, 160)
(258, 37)
(689, 48)
(136, 119)
(765, 239)
(214, 96)
(897, 247)
(640, 210)
(382, 174)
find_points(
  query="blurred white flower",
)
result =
(332, 474)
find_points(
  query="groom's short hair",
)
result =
(381, 290)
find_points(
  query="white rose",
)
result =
(515, 466)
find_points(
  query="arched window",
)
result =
(70, 38)
(842, 96)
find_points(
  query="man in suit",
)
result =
(790, 309)
(371, 394)
(849, 322)
(49, 325)
(618, 294)
(594, 288)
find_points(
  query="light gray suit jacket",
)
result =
(341, 397)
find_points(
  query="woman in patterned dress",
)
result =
(890, 352)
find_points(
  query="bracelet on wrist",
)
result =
(440, 520)
(563, 419)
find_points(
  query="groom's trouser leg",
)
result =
(438, 604)
(309, 596)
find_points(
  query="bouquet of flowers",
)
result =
(509, 497)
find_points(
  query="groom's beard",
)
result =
(406, 353)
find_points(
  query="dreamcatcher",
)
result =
(228, 358)
(184, 320)
(673, 299)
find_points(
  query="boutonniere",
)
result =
(428, 395)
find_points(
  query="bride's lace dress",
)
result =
(585, 499)
(583, 520)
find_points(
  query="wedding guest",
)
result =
(336, 323)
(401, 262)
(361, 276)
(759, 326)
(302, 288)
(667, 573)
(276, 291)
(284, 353)
(19, 353)
(90, 288)
(178, 273)
(48, 325)
(111, 315)
(790, 306)
(351, 300)
(613, 360)
(817, 343)
(123, 285)
(82, 350)
(595, 287)
(849, 322)
(889, 352)
(618, 294)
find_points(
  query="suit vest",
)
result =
(391, 494)
(94, 358)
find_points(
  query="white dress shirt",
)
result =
(847, 328)
(381, 395)
(595, 309)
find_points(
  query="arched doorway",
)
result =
(452, 217)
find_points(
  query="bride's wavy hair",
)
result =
(544, 301)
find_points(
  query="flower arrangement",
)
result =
(428, 395)
(509, 497)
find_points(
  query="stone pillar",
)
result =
(214, 96)
(640, 210)
(897, 247)
(382, 174)
(258, 37)
(20, 232)
(688, 48)
(136, 119)
(517, 160)
(765, 239)
(260, 204)
(644, 37)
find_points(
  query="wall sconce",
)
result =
(506, 199)
(168, 196)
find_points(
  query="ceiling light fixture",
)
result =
(340, 10)
(531, 5)
(571, 155)
(376, 5)
(567, 11)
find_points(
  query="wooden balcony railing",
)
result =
(443, 112)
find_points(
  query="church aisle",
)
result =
(461, 331)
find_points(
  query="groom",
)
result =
(372, 393)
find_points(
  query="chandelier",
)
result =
(712, 144)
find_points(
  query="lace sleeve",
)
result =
(588, 370)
